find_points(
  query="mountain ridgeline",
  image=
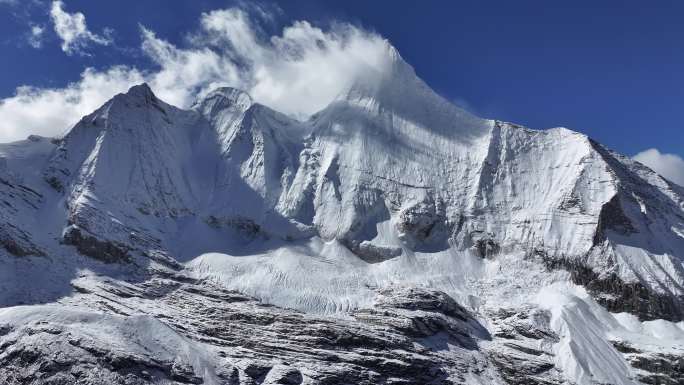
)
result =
(390, 184)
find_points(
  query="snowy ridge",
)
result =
(390, 186)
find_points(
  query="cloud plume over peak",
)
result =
(298, 71)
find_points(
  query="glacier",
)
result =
(391, 237)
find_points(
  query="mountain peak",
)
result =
(393, 87)
(141, 90)
(139, 95)
(223, 98)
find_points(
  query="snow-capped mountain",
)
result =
(400, 238)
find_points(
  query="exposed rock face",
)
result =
(618, 296)
(17, 242)
(655, 367)
(484, 244)
(372, 253)
(612, 217)
(422, 313)
(424, 226)
(242, 341)
(522, 347)
(181, 331)
(106, 251)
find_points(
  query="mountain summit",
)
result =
(422, 244)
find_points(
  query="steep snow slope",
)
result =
(135, 155)
(19, 165)
(388, 186)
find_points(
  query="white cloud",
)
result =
(185, 73)
(670, 166)
(35, 38)
(49, 112)
(72, 29)
(297, 72)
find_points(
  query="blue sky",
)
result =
(611, 69)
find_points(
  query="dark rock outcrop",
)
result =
(612, 217)
(253, 343)
(619, 296)
(657, 368)
(86, 244)
(522, 350)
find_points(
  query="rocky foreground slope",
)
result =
(390, 238)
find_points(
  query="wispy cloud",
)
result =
(49, 111)
(73, 31)
(35, 37)
(297, 72)
(670, 166)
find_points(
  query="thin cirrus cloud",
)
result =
(670, 166)
(73, 31)
(297, 72)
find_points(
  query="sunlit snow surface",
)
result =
(270, 206)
